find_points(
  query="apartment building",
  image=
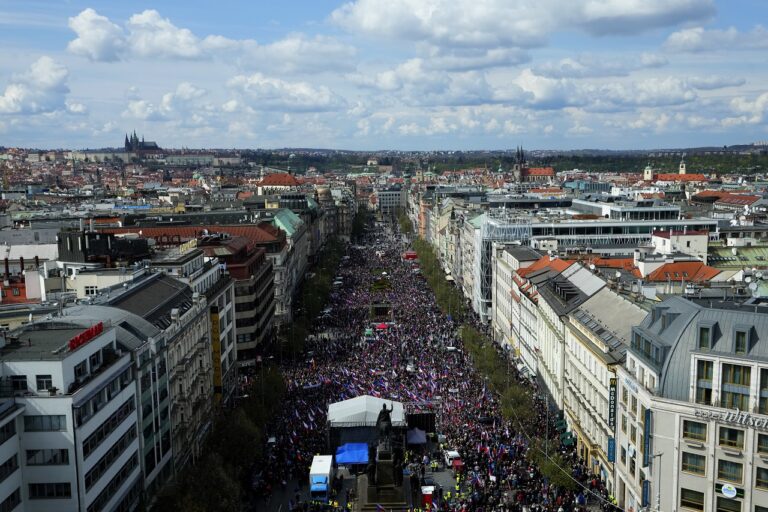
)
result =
(72, 390)
(692, 409)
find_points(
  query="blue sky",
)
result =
(384, 74)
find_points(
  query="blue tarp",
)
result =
(352, 453)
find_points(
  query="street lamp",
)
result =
(657, 474)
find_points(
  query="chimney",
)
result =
(37, 262)
(7, 269)
(21, 265)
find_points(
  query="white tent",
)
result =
(362, 411)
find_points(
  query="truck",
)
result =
(321, 478)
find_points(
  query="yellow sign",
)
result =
(188, 246)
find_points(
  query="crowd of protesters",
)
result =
(414, 355)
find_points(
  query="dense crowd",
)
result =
(417, 359)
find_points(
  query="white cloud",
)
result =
(148, 35)
(699, 39)
(97, 38)
(41, 89)
(184, 94)
(501, 23)
(142, 110)
(230, 106)
(74, 107)
(594, 66)
(265, 93)
(299, 53)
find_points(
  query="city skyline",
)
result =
(366, 75)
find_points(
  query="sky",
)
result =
(384, 74)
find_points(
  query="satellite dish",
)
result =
(592, 266)
(618, 274)
(758, 275)
(747, 279)
(734, 251)
(753, 286)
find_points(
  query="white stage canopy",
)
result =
(362, 411)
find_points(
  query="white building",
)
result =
(692, 415)
(596, 340)
(79, 449)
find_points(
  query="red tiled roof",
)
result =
(680, 177)
(556, 264)
(683, 271)
(737, 199)
(538, 171)
(279, 179)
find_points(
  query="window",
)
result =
(727, 505)
(55, 457)
(19, 382)
(50, 491)
(694, 463)
(740, 342)
(704, 371)
(44, 382)
(40, 423)
(94, 440)
(634, 405)
(694, 430)
(735, 387)
(705, 338)
(761, 478)
(95, 360)
(7, 431)
(91, 290)
(693, 500)
(8, 467)
(730, 471)
(633, 433)
(758, 508)
(624, 395)
(81, 370)
(16, 292)
(731, 437)
(11, 502)
(762, 443)
(762, 398)
(114, 485)
(623, 423)
(103, 464)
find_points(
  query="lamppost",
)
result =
(657, 474)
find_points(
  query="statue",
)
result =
(384, 423)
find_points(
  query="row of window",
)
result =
(8, 467)
(45, 423)
(47, 491)
(7, 431)
(98, 469)
(735, 385)
(694, 500)
(86, 411)
(114, 485)
(12, 501)
(102, 432)
(728, 437)
(48, 457)
(708, 336)
(726, 470)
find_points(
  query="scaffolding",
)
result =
(498, 225)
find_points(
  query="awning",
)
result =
(352, 453)
(416, 436)
(382, 326)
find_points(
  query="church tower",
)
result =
(648, 173)
(682, 165)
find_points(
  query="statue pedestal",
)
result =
(384, 492)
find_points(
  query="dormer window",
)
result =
(741, 342)
(705, 337)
